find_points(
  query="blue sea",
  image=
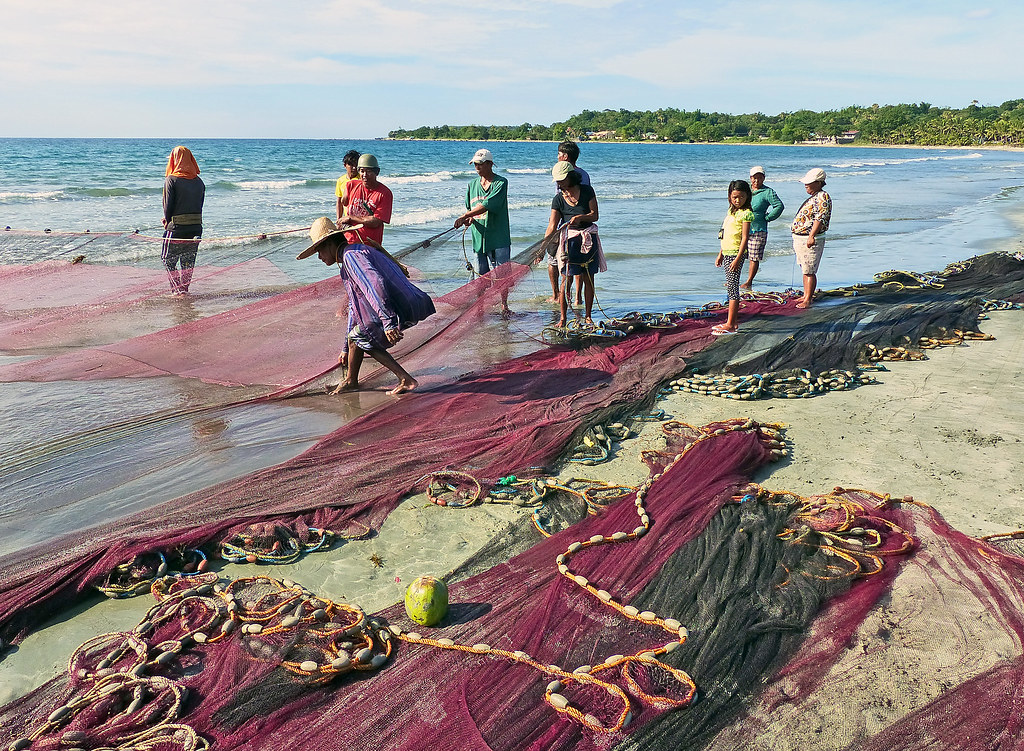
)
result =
(660, 205)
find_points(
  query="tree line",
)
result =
(920, 124)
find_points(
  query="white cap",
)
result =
(816, 175)
(481, 156)
(756, 170)
(560, 171)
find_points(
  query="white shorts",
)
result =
(808, 258)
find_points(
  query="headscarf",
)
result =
(181, 163)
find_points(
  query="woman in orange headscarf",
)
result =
(184, 192)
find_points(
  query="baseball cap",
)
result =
(560, 171)
(816, 175)
(369, 161)
(482, 155)
(758, 170)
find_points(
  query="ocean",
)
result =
(661, 207)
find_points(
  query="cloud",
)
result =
(412, 62)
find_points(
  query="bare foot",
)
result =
(506, 313)
(560, 324)
(589, 321)
(553, 298)
(343, 387)
(803, 305)
(746, 286)
(404, 386)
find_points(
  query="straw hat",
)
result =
(322, 229)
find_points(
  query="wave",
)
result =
(43, 195)
(427, 216)
(908, 160)
(115, 192)
(853, 173)
(430, 177)
(269, 185)
(529, 171)
(661, 193)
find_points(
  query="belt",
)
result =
(187, 219)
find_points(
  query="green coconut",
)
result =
(426, 600)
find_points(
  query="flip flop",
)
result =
(722, 332)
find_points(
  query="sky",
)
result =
(359, 68)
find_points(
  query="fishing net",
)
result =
(69, 301)
(270, 337)
(768, 588)
(576, 642)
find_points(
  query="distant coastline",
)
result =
(855, 145)
(900, 125)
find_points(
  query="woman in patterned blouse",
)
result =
(809, 227)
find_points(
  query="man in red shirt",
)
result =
(368, 203)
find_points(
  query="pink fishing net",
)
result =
(746, 577)
(58, 304)
(508, 418)
(284, 340)
(654, 600)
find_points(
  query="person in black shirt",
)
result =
(184, 193)
(574, 215)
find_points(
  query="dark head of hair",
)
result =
(351, 158)
(573, 178)
(570, 149)
(336, 242)
(744, 187)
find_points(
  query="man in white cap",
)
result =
(367, 202)
(767, 207)
(487, 214)
(808, 228)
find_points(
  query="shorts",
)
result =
(579, 269)
(755, 245)
(361, 340)
(494, 258)
(808, 258)
(552, 260)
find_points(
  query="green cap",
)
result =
(368, 160)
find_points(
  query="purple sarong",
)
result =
(379, 296)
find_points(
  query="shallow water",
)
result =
(80, 454)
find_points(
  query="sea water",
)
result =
(660, 205)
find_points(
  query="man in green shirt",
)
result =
(487, 215)
(767, 207)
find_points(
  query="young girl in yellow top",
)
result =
(735, 232)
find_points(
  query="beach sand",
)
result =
(948, 431)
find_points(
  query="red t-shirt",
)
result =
(364, 201)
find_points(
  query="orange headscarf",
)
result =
(181, 163)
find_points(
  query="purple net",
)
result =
(752, 579)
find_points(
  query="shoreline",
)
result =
(986, 147)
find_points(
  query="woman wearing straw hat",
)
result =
(184, 192)
(382, 303)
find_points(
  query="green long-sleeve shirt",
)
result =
(767, 207)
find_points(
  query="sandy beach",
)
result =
(948, 431)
